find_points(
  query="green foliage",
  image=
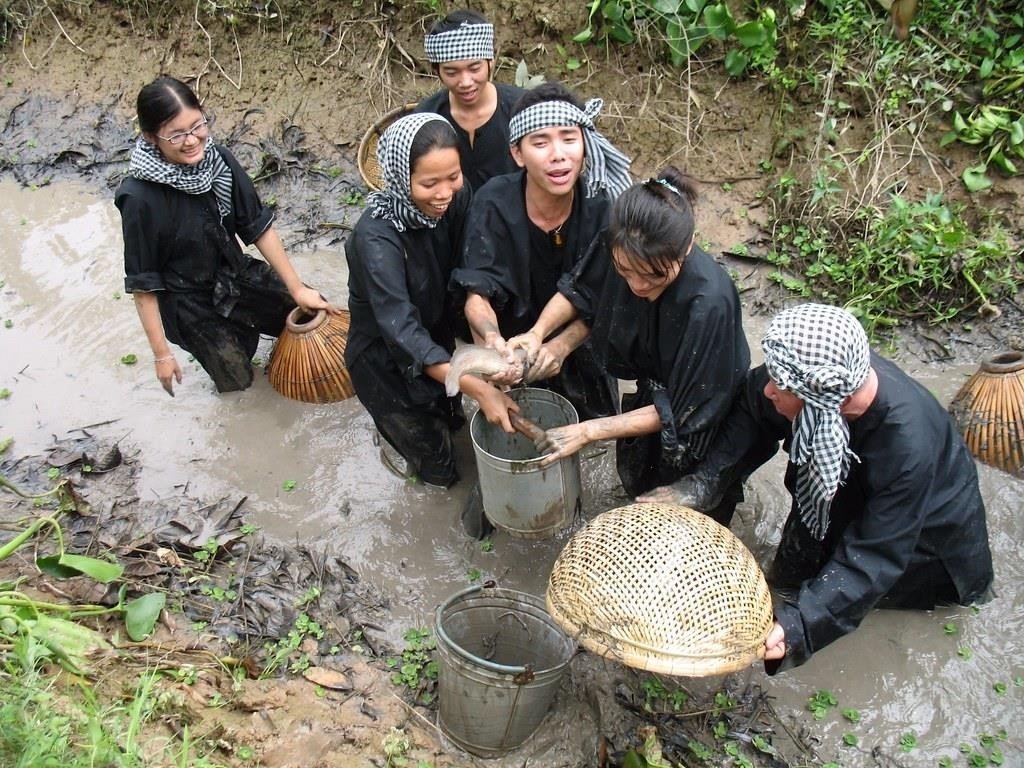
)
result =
(820, 703)
(415, 668)
(685, 26)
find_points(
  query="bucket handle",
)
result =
(522, 673)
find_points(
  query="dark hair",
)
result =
(456, 19)
(653, 221)
(435, 134)
(550, 91)
(161, 100)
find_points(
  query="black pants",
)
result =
(224, 346)
(421, 432)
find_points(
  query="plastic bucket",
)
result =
(500, 660)
(518, 496)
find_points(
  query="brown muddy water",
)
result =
(60, 358)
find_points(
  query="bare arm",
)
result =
(565, 441)
(270, 246)
(483, 322)
(167, 368)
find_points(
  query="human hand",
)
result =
(310, 300)
(561, 442)
(494, 404)
(530, 341)
(697, 491)
(548, 362)
(775, 643)
(168, 371)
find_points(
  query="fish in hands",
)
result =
(484, 362)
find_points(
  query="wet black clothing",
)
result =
(516, 265)
(686, 350)
(488, 155)
(402, 321)
(214, 300)
(906, 529)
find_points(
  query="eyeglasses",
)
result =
(200, 130)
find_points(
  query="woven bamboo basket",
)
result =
(366, 157)
(989, 411)
(662, 588)
(308, 360)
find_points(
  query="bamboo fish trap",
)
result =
(662, 588)
(308, 360)
(989, 411)
(366, 157)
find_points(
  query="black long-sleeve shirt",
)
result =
(911, 499)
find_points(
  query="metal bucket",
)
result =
(500, 660)
(518, 496)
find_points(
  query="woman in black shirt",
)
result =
(183, 208)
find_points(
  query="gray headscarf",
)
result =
(821, 354)
(394, 203)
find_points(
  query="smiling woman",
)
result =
(183, 208)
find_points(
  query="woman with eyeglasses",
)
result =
(185, 206)
(660, 312)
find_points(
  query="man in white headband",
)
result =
(460, 48)
(886, 509)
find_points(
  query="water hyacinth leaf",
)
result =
(736, 62)
(579, 37)
(665, 7)
(69, 642)
(141, 614)
(975, 178)
(751, 34)
(66, 566)
(719, 20)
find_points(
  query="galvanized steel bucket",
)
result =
(501, 658)
(519, 497)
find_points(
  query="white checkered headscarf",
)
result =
(606, 168)
(821, 354)
(467, 42)
(394, 203)
(147, 163)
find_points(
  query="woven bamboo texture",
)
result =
(366, 157)
(308, 360)
(662, 588)
(989, 411)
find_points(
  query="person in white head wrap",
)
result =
(402, 329)
(460, 48)
(886, 510)
(527, 229)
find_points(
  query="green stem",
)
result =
(14, 544)
(74, 611)
(974, 285)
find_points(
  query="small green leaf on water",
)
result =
(129, 359)
(964, 652)
(53, 473)
(850, 739)
(486, 545)
(8, 323)
(5, 393)
(908, 741)
(950, 628)
(141, 614)
(852, 715)
(289, 485)
(66, 566)
(1018, 680)
(473, 574)
(7, 442)
(945, 762)
(999, 688)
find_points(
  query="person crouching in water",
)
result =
(663, 313)
(526, 229)
(402, 332)
(886, 511)
(184, 206)
(460, 48)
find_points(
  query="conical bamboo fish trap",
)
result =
(662, 588)
(989, 410)
(308, 360)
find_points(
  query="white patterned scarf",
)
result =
(467, 42)
(821, 354)
(606, 169)
(394, 203)
(212, 172)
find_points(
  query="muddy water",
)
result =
(70, 325)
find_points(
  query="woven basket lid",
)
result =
(366, 157)
(662, 588)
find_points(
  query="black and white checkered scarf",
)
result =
(606, 169)
(211, 172)
(821, 354)
(394, 203)
(467, 42)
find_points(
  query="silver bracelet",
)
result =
(163, 359)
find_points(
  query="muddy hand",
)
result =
(310, 300)
(562, 442)
(547, 363)
(697, 491)
(530, 342)
(168, 371)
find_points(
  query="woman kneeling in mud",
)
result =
(402, 331)
(667, 316)
(183, 207)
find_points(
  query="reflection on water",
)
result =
(70, 324)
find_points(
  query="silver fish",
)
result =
(481, 361)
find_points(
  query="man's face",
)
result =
(552, 157)
(785, 402)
